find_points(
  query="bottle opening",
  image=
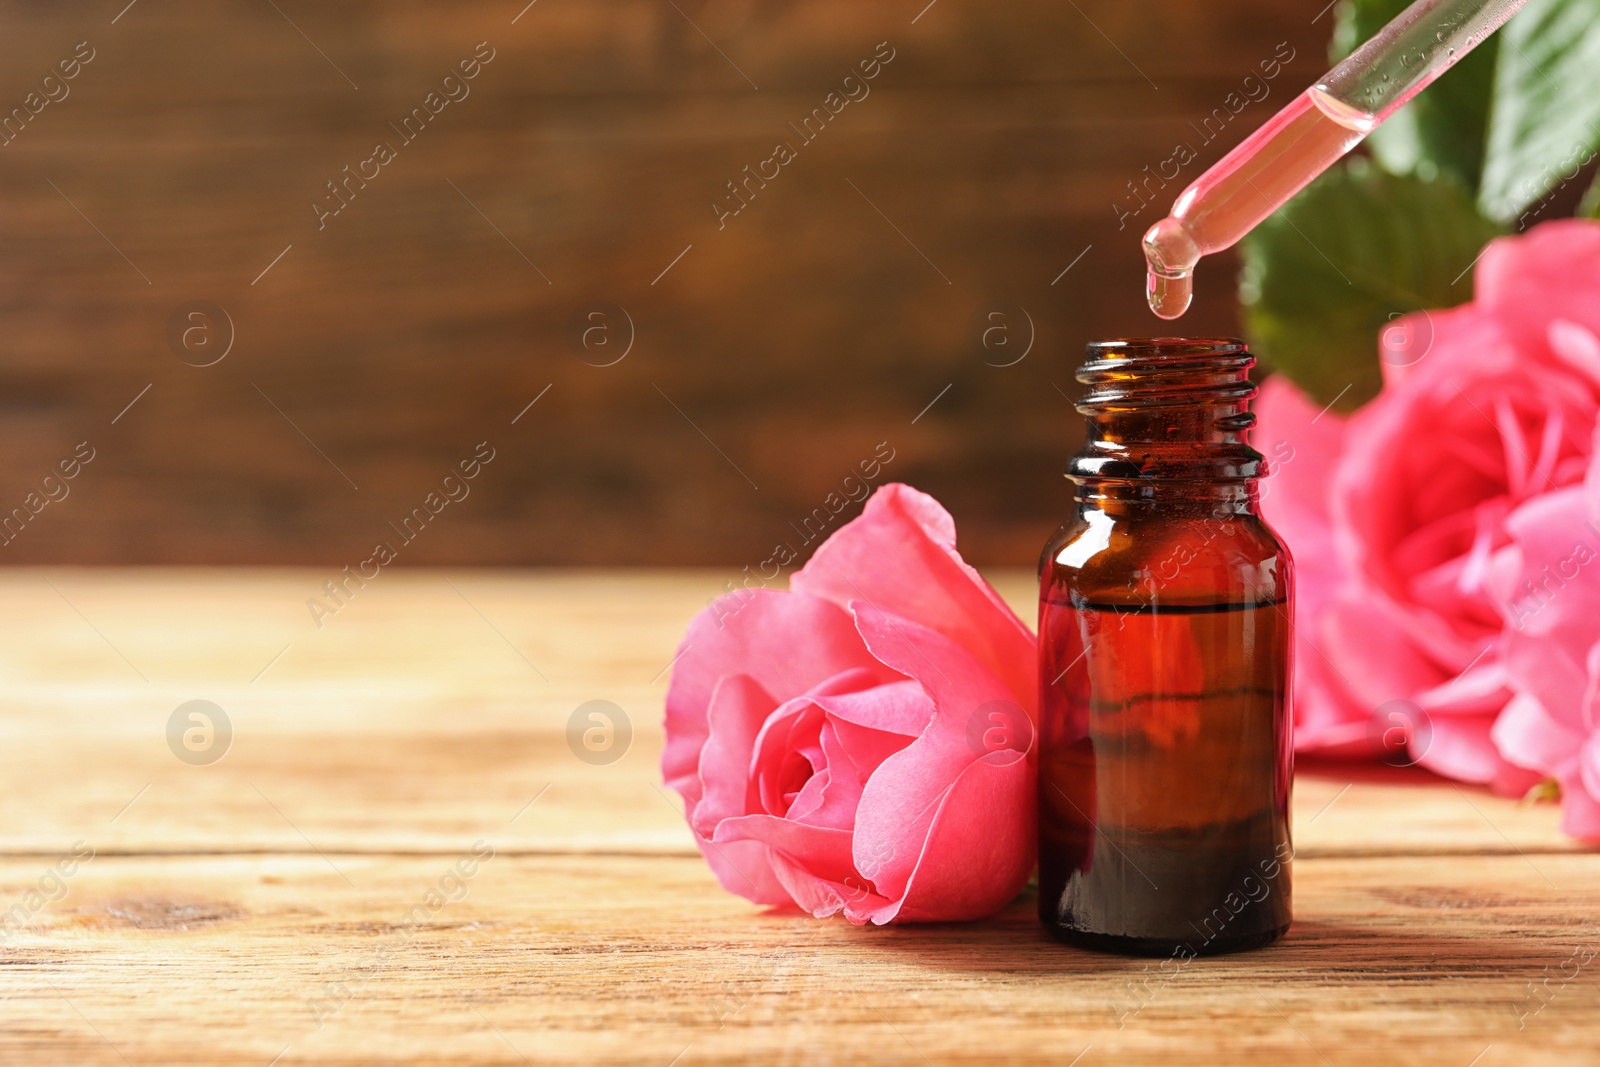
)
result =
(1164, 410)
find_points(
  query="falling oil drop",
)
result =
(1169, 295)
(1170, 253)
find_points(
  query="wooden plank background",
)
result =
(769, 360)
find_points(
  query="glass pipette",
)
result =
(1308, 136)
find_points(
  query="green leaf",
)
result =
(1442, 130)
(1545, 115)
(1356, 248)
(1589, 208)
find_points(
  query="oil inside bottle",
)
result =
(1163, 827)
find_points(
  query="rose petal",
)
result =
(1580, 810)
(812, 796)
(1587, 767)
(1560, 546)
(899, 708)
(1372, 654)
(756, 633)
(1547, 587)
(1326, 719)
(820, 849)
(1551, 271)
(972, 863)
(906, 794)
(743, 868)
(1302, 443)
(838, 786)
(1514, 781)
(1528, 736)
(1459, 334)
(1591, 481)
(900, 555)
(778, 766)
(781, 841)
(739, 707)
(855, 751)
(822, 897)
(1459, 747)
(1580, 785)
(1481, 690)
(1577, 346)
(1404, 504)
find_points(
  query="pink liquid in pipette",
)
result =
(1243, 188)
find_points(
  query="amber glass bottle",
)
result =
(1164, 623)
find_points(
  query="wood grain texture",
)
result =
(638, 960)
(300, 898)
(465, 678)
(422, 319)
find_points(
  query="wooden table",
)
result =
(326, 891)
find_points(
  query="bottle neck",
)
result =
(1168, 424)
(1196, 500)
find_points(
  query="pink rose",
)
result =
(864, 741)
(1548, 582)
(1302, 445)
(1484, 408)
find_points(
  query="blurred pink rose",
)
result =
(1302, 445)
(1548, 584)
(864, 741)
(1485, 408)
